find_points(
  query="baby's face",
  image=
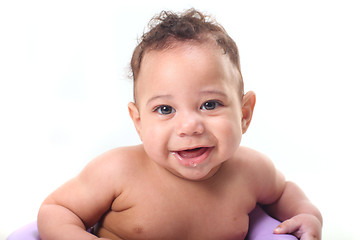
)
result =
(189, 109)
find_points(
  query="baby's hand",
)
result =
(303, 226)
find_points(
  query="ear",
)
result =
(135, 116)
(248, 104)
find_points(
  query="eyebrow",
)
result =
(157, 97)
(206, 92)
(215, 92)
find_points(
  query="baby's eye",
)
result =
(211, 105)
(164, 109)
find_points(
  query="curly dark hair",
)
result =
(168, 28)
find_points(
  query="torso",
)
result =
(158, 205)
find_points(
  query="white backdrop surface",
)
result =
(64, 92)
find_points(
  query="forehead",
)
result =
(186, 61)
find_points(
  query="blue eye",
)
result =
(164, 109)
(210, 105)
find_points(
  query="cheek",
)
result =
(155, 137)
(230, 132)
(235, 131)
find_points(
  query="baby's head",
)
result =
(169, 29)
(190, 111)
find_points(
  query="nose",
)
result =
(189, 125)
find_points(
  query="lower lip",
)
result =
(193, 161)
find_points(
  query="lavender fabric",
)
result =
(261, 228)
(27, 232)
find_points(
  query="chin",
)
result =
(197, 173)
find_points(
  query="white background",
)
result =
(64, 92)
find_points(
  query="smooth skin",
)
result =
(189, 179)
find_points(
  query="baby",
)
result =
(189, 179)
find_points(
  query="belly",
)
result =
(169, 225)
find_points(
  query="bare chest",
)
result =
(169, 213)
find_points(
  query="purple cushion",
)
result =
(261, 228)
(28, 232)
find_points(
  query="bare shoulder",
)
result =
(118, 156)
(267, 181)
(118, 162)
(253, 159)
(90, 194)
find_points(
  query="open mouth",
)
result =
(192, 153)
(192, 157)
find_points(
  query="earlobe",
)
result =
(248, 104)
(135, 116)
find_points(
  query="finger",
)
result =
(309, 236)
(288, 226)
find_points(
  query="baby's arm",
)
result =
(300, 216)
(285, 201)
(79, 203)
